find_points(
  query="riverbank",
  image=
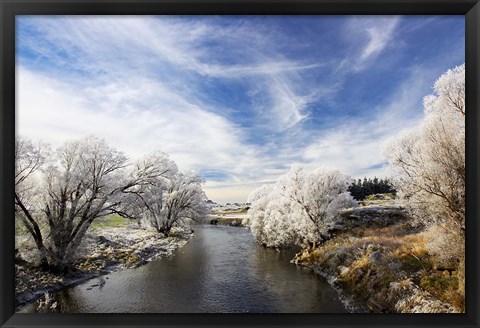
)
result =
(233, 222)
(379, 263)
(231, 216)
(103, 250)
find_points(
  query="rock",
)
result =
(376, 257)
(394, 266)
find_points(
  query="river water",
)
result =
(221, 270)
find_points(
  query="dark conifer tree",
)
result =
(360, 189)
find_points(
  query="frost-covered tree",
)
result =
(87, 179)
(300, 208)
(255, 219)
(269, 217)
(151, 175)
(431, 159)
(165, 197)
(183, 198)
(186, 199)
(278, 228)
(319, 196)
(431, 165)
(29, 158)
(79, 183)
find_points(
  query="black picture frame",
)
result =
(10, 8)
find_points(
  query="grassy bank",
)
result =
(385, 267)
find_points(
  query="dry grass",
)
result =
(388, 269)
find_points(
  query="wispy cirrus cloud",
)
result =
(133, 45)
(368, 37)
(380, 35)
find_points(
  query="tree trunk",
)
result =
(43, 258)
(34, 229)
(165, 229)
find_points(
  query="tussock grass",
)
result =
(388, 269)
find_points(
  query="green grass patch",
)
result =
(439, 282)
(444, 286)
(110, 221)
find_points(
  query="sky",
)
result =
(238, 99)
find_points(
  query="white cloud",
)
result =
(54, 111)
(140, 116)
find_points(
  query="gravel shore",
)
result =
(102, 251)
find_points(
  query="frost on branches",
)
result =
(59, 194)
(431, 165)
(431, 160)
(165, 196)
(300, 208)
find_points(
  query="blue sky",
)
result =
(239, 99)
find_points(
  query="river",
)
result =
(221, 270)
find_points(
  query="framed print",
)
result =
(239, 163)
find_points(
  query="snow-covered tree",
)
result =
(162, 195)
(150, 177)
(269, 217)
(319, 195)
(431, 160)
(278, 228)
(87, 179)
(29, 158)
(167, 197)
(431, 165)
(300, 208)
(255, 219)
(80, 184)
(183, 198)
